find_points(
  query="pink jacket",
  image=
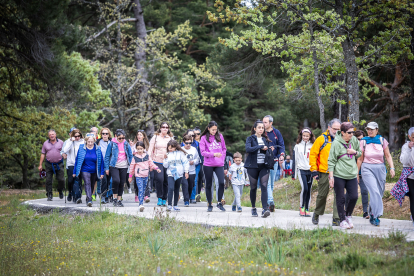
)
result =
(140, 165)
(158, 147)
(209, 148)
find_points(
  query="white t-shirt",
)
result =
(238, 174)
(260, 156)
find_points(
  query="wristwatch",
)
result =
(392, 169)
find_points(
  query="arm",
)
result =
(280, 142)
(196, 158)
(108, 156)
(357, 147)
(203, 148)
(406, 154)
(151, 165)
(389, 160)
(223, 146)
(151, 146)
(129, 151)
(42, 158)
(165, 163)
(249, 147)
(132, 169)
(314, 153)
(102, 169)
(332, 159)
(67, 147)
(185, 162)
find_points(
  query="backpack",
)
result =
(269, 159)
(325, 143)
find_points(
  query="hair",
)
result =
(270, 118)
(102, 129)
(333, 121)
(140, 144)
(146, 141)
(158, 132)
(410, 131)
(187, 137)
(206, 132)
(51, 130)
(346, 125)
(72, 134)
(93, 128)
(197, 128)
(264, 132)
(119, 132)
(187, 131)
(237, 155)
(174, 144)
(89, 137)
(359, 133)
(299, 139)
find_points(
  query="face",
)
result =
(90, 143)
(267, 123)
(360, 137)
(187, 144)
(77, 136)
(52, 136)
(105, 134)
(237, 161)
(372, 132)
(140, 136)
(94, 130)
(212, 130)
(348, 134)
(120, 138)
(259, 129)
(335, 127)
(164, 129)
(287, 158)
(171, 148)
(140, 150)
(197, 134)
(306, 136)
(411, 137)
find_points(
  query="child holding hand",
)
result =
(140, 166)
(237, 175)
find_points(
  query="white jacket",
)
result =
(71, 149)
(176, 160)
(192, 155)
(301, 153)
(407, 157)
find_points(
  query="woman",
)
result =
(117, 159)
(256, 146)
(213, 148)
(70, 148)
(301, 168)
(374, 147)
(343, 171)
(157, 150)
(89, 163)
(105, 189)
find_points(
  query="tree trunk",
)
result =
(411, 23)
(25, 168)
(394, 109)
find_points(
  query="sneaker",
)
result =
(372, 220)
(89, 204)
(79, 201)
(344, 225)
(315, 219)
(365, 215)
(302, 211)
(176, 209)
(169, 208)
(49, 196)
(272, 206)
(120, 203)
(254, 212)
(239, 209)
(307, 213)
(69, 198)
(129, 191)
(141, 208)
(60, 194)
(159, 203)
(220, 206)
(146, 199)
(210, 208)
(198, 198)
(335, 222)
(136, 199)
(233, 208)
(164, 203)
(115, 202)
(187, 204)
(349, 221)
(106, 200)
(265, 213)
(193, 201)
(377, 222)
(93, 197)
(111, 199)
(103, 201)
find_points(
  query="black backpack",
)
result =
(269, 160)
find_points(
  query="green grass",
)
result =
(104, 243)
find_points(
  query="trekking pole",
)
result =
(65, 187)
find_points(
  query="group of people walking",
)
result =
(340, 159)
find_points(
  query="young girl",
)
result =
(301, 168)
(176, 164)
(140, 166)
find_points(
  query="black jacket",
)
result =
(251, 148)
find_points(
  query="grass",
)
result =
(104, 243)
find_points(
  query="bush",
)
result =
(351, 262)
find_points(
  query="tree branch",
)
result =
(108, 26)
(403, 118)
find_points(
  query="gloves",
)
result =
(315, 173)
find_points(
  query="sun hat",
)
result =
(372, 125)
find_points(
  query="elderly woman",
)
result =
(374, 147)
(343, 172)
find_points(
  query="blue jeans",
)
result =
(141, 184)
(194, 191)
(271, 183)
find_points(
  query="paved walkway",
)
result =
(197, 213)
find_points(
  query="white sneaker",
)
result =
(349, 221)
(169, 208)
(344, 225)
(141, 208)
(129, 191)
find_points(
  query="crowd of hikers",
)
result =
(340, 159)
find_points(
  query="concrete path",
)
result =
(197, 213)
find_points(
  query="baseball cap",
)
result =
(70, 131)
(372, 125)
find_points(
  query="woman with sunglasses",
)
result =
(157, 150)
(343, 171)
(117, 159)
(71, 148)
(374, 148)
(103, 143)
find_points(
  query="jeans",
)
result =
(271, 183)
(141, 183)
(194, 192)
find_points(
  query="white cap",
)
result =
(372, 125)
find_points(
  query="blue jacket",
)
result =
(277, 141)
(252, 146)
(111, 155)
(80, 157)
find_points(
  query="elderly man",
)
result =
(54, 164)
(279, 149)
(318, 160)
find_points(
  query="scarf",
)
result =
(400, 188)
(372, 140)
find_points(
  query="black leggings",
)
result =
(351, 186)
(410, 183)
(173, 189)
(119, 177)
(200, 180)
(161, 182)
(208, 174)
(261, 173)
(190, 180)
(305, 178)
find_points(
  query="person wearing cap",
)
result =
(318, 160)
(70, 149)
(54, 164)
(374, 147)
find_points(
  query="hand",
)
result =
(392, 172)
(229, 176)
(217, 154)
(265, 148)
(191, 162)
(102, 176)
(130, 179)
(64, 155)
(40, 168)
(411, 145)
(74, 175)
(331, 182)
(351, 151)
(165, 156)
(186, 175)
(272, 148)
(358, 178)
(72, 138)
(158, 171)
(225, 172)
(107, 172)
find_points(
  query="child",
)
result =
(194, 160)
(140, 166)
(237, 175)
(176, 163)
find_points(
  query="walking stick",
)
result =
(65, 188)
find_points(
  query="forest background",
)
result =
(133, 64)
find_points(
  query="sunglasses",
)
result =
(77, 136)
(350, 132)
(197, 133)
(165, 127)
(120, 138)
(105, 133)
(188, 143)
(140, 130)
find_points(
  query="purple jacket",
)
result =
(209, 148)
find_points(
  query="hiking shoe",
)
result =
(315, 219)
(233, 208)
(210, 208)
(79, 201)
(169, 208)
(335, 222)
(372, 220)
(239, 209)
(69, 198)
(344, 225)
(120, 204)
(272, 207)
(103, 201)
(254, 212)
(49, 196)
(111, 199)
(115, 202)
(220, 206)
(93, 197)
(159, 203)
(265, 213)
(307, 213)
(60, 194)
(187, 204)
(365, 215)
(129, 191)
(377, 222)
(89, 204)
(349, 221)
(302, 212)
(141, 208)
(164, 203)
(136, 199)
(106, 200)
(176, 209)
(198, 198)
(147, 199)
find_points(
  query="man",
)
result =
(318, 160)
(54, 164)
(95, 130)
(279, 150)
(287, 167)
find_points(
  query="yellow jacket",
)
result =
(318, 159)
